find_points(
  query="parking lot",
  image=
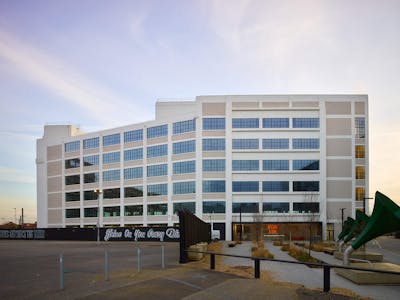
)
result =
(30, 269)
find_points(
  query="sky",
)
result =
(102, 64)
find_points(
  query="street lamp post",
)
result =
(365, 198)
(98, 193)
(240, 221)
(342, 209)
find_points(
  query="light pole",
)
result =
(365, 198)
(342, 209)
(98, 193)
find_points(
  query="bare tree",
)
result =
(258, 227)
(309, 199)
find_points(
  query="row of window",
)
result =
(213, 144)
(275, 123)
(216, 165)
(275, 165)
(132, 136)
(214, 207)
(275, 186)
(208, 124)
(189, 187)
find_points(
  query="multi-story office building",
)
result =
(282, 161)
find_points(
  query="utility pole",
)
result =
(22, 217)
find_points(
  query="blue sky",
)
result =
(102, 64)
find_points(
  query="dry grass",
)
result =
(285, 247)
(261, 252)
(277, 243)
(301, 255)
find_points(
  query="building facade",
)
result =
(282, 161)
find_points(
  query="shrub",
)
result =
(261, 252)
(277, 243)
(285, 247)
(232, 244)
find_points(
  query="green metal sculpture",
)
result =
(385, 218)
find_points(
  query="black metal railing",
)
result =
(327, 267)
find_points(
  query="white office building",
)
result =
(282, 161)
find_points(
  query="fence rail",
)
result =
(327, 267)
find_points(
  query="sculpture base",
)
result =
(363, 277)
(371, 256)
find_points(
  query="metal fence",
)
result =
(327, 267)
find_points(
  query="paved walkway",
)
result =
(309, 277)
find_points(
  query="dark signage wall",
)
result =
(162, 234)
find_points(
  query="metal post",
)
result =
(240, 221)
(327, 279)
(256, 268)
(106, 266)
(139, 267)
(61, 265)
(342, 209)
(212, 261)
(163, 256)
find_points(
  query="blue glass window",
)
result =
(245, 186)
(91, 143)
(184, 126)
(276, 165)
(112, 157)
(187, 206)
(276, 207)
(184, 147)
(72, 179)
(213, 123)
(214, 207)
(111, 175)
(133, 173)
(133, 154)
(91, 177)
(213, 186)
(91, 160)
(159, 150)
(133, 191)
(305, 122)
(187, 187)
(305, 207)
(245, 123)
(360, 128)
(305, 186)
(276, 123)
(72, 213)
(275, 186)
(157, 189)
(72, 163)
(133, 136)
(245, 144)
(245, 165)
(247, 207)
(213, 165)
(113, 139)
(157, 131)
(183, 167)
(157, 209)
(111, 211)
(72, 146)
(275, 143)
(305, 164)
(213, 144)
(305, 143)
(157, 170)
(133, 210)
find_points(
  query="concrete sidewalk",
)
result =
(308, 277)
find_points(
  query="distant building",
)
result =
(283, 160)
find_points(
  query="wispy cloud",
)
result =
(55, 76)
(14, 175)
